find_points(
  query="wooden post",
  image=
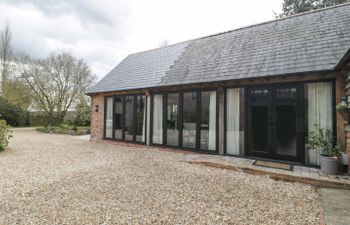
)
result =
(148, 119)
(347, 127)
(221, 121)
(340, 92)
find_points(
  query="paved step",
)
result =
(300, 174)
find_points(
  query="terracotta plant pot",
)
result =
(329, 165)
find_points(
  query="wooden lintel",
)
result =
(229, 83)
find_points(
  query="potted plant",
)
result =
(344, 160)
(343, 110)
(323, 139)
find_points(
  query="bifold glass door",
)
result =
(126, 118)
(185, 119)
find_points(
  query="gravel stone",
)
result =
(60, 179)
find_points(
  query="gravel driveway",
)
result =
(59, 179)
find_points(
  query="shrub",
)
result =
(37, 119)
(10, 113)
(65, 129)
(5, 134)
(82, 117)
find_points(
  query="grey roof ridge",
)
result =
(248, 26)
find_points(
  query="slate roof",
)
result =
(314, 41)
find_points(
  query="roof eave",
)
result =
(343, 60)
(334, 69)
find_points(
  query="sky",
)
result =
(104, 32)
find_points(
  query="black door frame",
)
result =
(197, 147)
(271, 103)
(122, 96)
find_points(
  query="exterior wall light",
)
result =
(96, 108)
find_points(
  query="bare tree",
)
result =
(12, 88)
(5, 57)
(56, 82)
(164, 43)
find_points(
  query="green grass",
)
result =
(65, 129)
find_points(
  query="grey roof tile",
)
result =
(310, 42)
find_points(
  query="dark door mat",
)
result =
(274, 165)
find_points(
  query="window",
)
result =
(319, 112)
(208, 120)
(233, 134)
(157, 125)
(259, 94)
(286, 93)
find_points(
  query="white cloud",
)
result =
(104, 32)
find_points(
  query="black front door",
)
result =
(275, 122)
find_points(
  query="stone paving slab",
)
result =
(336, 204)
(300, 174)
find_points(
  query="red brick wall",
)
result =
(97, 117)
(348, 148)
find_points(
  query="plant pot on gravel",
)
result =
(323, 139)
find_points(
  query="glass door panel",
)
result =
(129, 118)
(172, 120)
(109, 118)
(140, 118)
(286, 136)
(118, 117)
(208, 120)
(157, 123)
(286, 121)
(189, 119)
(259, 128)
